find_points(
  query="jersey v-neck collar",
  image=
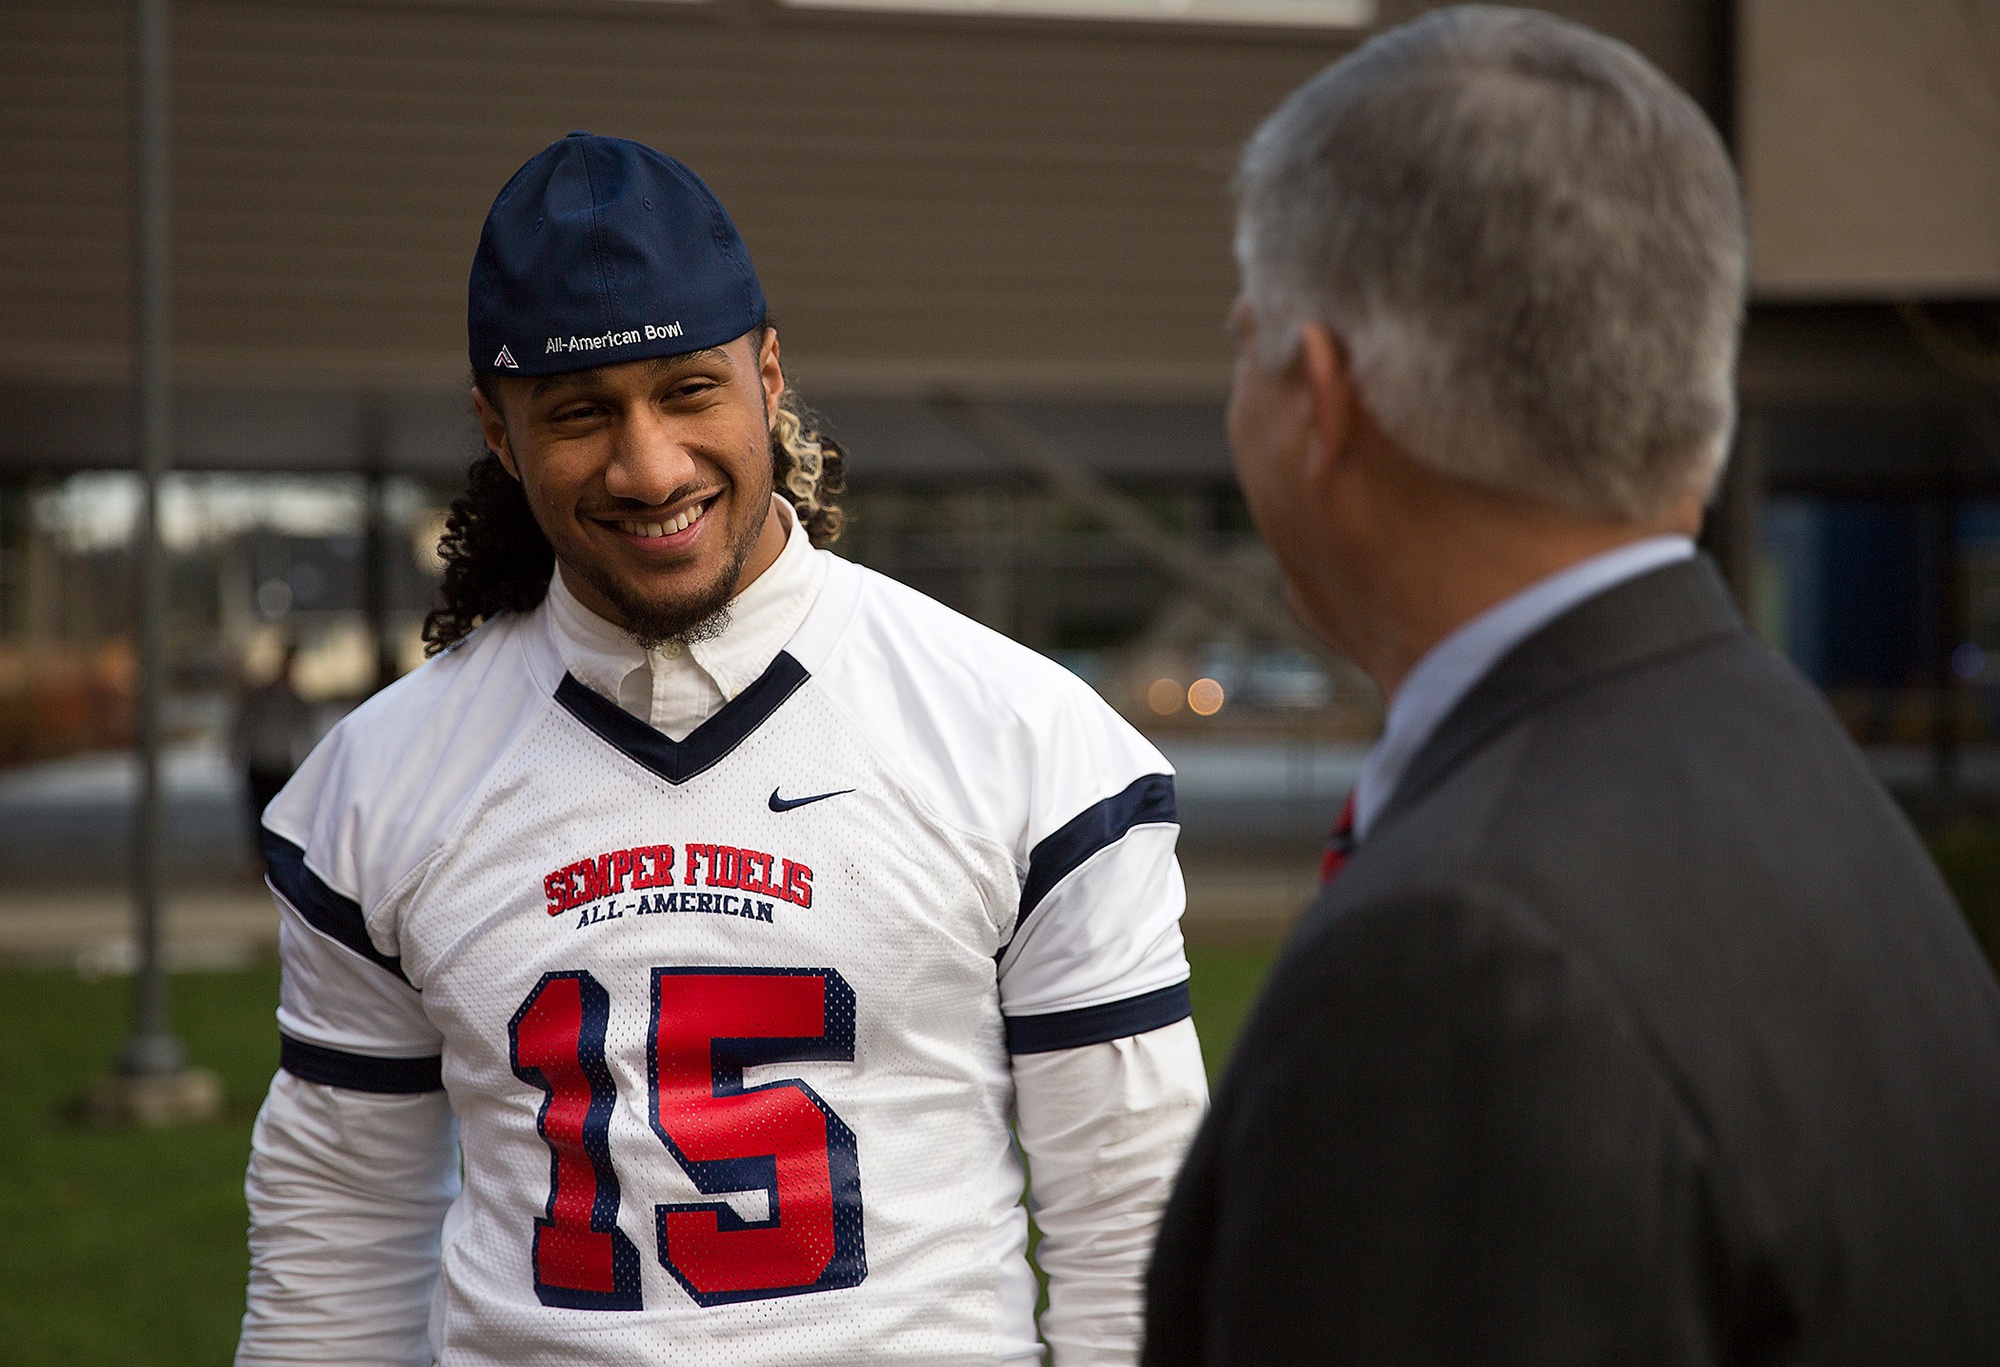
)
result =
(677, 688)
(677, 761)
(707, 745)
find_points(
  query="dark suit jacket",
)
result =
(1640, 1029)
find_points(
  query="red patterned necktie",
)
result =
(1339, 845)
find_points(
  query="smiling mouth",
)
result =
(686, 518)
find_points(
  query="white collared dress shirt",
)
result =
(1454, 665)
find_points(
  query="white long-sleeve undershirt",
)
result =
(1104, 1129)
(347, 1192)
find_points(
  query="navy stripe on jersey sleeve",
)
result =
(1148, 801)
(332, 915)
(1098, 1024)
(359, 1072)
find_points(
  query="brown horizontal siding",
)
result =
(1008, 204)
(1871, 141)
(64, 281)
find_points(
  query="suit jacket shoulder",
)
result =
(1643, 805)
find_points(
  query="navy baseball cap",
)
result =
(602, 250)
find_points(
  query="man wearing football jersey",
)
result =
(730, 909)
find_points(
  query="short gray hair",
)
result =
(1530, 244)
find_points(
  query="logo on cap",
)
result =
(683, 280)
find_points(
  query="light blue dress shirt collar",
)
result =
(1460, 660)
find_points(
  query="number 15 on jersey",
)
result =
(708, 1025)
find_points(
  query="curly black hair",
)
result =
(497, 560)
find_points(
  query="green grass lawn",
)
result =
(1968, 854)
(127, 1248)
(123, 1248)
(1224, 983)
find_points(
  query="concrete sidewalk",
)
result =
(91, 930)
(1247, 901)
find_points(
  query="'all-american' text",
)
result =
(652, 866)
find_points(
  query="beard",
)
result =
(701, 615)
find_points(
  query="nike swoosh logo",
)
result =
(785, 804)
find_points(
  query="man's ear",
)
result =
(1323, 360)
(494, 428)
(771, 373)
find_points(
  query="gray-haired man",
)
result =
(1636, 1027)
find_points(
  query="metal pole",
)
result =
(151, 1048)
(375, 541)
(375, 579)
(1947, 614)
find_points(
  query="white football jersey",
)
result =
(725, 1022)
